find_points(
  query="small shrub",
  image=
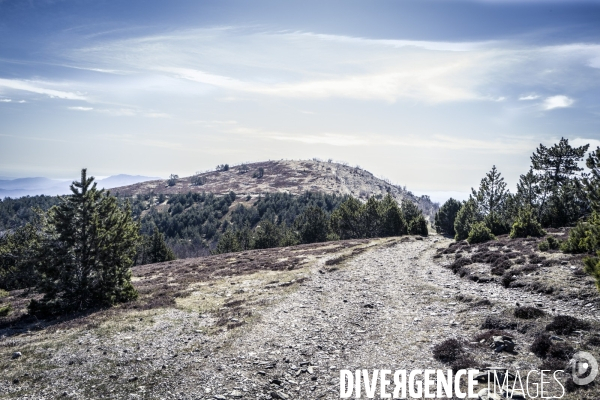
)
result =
(551, 243)
(172, 181)
(526, 225)
(463, 361)
(480, 233)
(448, 350)
(541, 345)
(459, 263)
(565, 325)
(3, 293)
(507, 279)
(553, 364)
(543, 246)
(560, 351)
(584, 237)
(5, 310)
(526, 312)
(496, 323)
(500, 265)
(259, 173)
(592, 267)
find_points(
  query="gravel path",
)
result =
(383, 309)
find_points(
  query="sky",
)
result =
(429, 94)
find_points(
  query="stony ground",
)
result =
(380, 304)
(289, 176)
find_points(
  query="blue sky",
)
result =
(429, 94)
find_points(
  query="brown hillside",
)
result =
(294, 177)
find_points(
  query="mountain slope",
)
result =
(293, 177)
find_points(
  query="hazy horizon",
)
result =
(428, 94)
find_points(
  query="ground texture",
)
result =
(281, 323)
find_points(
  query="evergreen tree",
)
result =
(347, 220)
(312, 225)
(480, 233)
(371, 218)
(560, 200)
(172, 181)
(228, 243)
(393, 223)
(418, 226)
(491, 200)
(157, 249)
(244, 238)
(465, 218)
(410, 211)
(19, 256)
(445, 217)
(88, 251)
(268, 235)
(528, 190)
(592, 181)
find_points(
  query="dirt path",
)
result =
(383, 309)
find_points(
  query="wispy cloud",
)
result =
(428, 84)
(331, 139)
(506, 145)
(529, 97)
(12, 101)
(81, 108)
(38, 87)
(559, 101)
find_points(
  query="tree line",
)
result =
(350, 220)
(555, 192)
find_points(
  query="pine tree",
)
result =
(491, 199)
(528, 190)
(227, 243)
(89, 248)
(393, 223)
(19, 256)
(418, 226)
(372, 218)
(410, 211)
(157, 249)
(347, 221)
(312, 225)
(445, 217)
(268, 235)
(592, 181)
(466, 217)
(560, 200)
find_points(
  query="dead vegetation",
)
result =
(518, 263)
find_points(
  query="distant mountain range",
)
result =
(36, 186)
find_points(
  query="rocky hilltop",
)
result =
(293, 177)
